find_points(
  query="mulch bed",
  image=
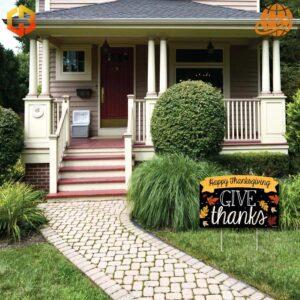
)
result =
(30, 239)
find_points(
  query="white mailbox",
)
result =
(81, 123)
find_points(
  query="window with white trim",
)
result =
(73, 63)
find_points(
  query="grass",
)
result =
(41, 272)
(274, 268)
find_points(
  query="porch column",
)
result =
(151, 68)
(276, 67)
(33, 68)
(45, 69)
(265, 67)
(163, 71)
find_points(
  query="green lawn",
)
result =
(274, 268)
(41, 272)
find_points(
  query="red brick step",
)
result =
(91, 180)
(81, 194)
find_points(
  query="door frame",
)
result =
(112, 45)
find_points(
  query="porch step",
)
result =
(86, 195)
(91, 184)
(93, 160)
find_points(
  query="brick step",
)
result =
(93, 157)
(95, 151)
(87, 194)
(92, 169)
(91, 180)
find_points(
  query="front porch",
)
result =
(122, 109)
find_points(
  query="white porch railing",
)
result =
(140, 120)
(59, 140)
(243, 119)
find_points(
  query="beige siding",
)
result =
(238, 4)
(41, 5)
(61, 4)
(60, 88)
(243, 72)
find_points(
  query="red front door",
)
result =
(116, 84)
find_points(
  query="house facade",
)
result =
(115, 58)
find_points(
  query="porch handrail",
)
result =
(129, 138)
(243, 116)
(58, 142)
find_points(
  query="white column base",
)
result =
(37, 122)
(150, 103)
(273, 120)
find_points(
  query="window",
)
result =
(198, 56)
(73, 63)
(211, 75)
(200, 64)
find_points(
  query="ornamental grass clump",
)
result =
(19, 213)
(164, 192)
(289, 203)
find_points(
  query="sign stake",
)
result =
(256, 239)
(221, 239)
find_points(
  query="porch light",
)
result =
(210, 48)
(105, 47)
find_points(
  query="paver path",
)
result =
(128, 263)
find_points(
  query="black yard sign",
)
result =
(239, 201)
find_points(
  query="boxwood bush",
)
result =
(293, 125)
(11, 137)
(164, 192)
(260, 163)
(189, 118)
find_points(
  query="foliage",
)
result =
(273, 269)
(18, 210)
(25, 40)
(14, 173)
(260, 163)
(293, 125)
(40, 271)
(189, 118)
(290, 203)
(164, 191)
(11, 137)
(10, 93)
(290, 52)
(23, 74)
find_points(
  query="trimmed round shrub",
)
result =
(11, 137)
(164, 192)
(293, 125)
(189, 118)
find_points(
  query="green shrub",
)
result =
(293, 125)
(18, 210)
(11, 137)
(189, 119)
(260, 163)
(14, 173)
(289, 203)
(164, 192)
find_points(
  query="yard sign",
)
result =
(239, 201)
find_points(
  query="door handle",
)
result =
(102, 95)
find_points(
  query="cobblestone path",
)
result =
(128, 263)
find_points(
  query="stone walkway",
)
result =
(128, 263)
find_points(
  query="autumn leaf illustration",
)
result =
(272, 221)
(274, 198)
(204, 212)
(212, 201)
(263, 204)
(205, 223)
(273, 210)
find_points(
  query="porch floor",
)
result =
(95, 142)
